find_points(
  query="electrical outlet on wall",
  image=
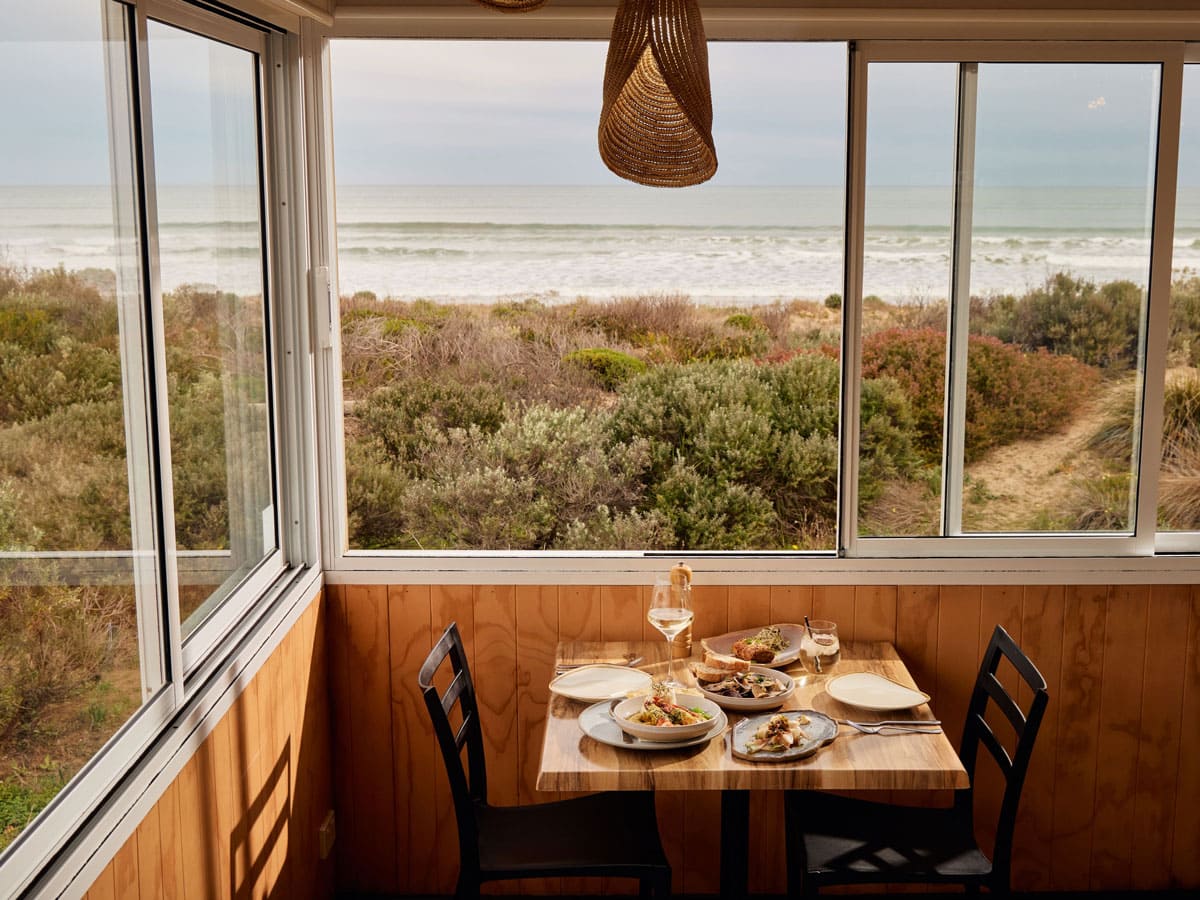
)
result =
(327, 834)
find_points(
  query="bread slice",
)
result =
(726, 664)
(707, 674)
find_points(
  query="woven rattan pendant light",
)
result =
(656, 123)
(512, 5)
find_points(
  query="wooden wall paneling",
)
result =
(1078, 736)
(104, 887)
(337, 646)
(917, 609)
(450, 603)
(537, 637)
(999, 605)
(836, 603)
(171, 842)
(749, 606)
(621, 615)
(578, 620)
(1041, 639)
(958, 655)
(248, 839)
(268, 805)
(1159, 746)
(701, 845)
(315, 752)
(297, 865)
(1185, 861)
(416, 758)
(125, 870)
(373, 865)
(226, 808)
(1120, 725)
(197, 884)
(875, 613)
(791, 602)
(149, 856)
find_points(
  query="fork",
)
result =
(898, 726)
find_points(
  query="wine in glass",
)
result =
(670, 612)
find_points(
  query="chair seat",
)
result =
(851, 840)
(581, 836)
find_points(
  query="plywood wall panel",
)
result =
(1120, 725)
(940, 632)
(239, 821)
(1160, 739)
(1185, 861)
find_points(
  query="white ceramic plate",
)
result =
(600, 682)
(867, 690)
(668, 733)
(597, 724)
(820, 730)
(749, 704)
(723, 644)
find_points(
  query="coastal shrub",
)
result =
(744, 321)
(411, 419)
(833, 301)
(1068, 316)
(1184, 339)
(609, 367)
(525, 485)
(375, 499)
(632, 530)
(1011, 395)
(707, 513)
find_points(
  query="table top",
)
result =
(572, 761)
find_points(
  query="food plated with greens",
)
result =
(770, 645)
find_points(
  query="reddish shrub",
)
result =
(1011, 394)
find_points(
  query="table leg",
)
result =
(735, 843)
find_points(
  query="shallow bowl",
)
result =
(751, 704)
(627, 708)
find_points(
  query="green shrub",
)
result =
(610, 368)
(744, 322)
(1098, 325)
(1184, 341)
(833, 301)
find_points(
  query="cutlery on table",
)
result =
(897, 726)
(611, 661)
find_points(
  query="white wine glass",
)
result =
(670, 612)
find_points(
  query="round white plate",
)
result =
(597, 724)
(749, 704)
(820, 730)
(867, 690)
(599, 682)
(723, 644)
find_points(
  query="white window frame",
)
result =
(1156, 36)
(198, 672)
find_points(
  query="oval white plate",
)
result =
(599, 682)
(749, 704)
(820, 730)
(867, 690)
(597, 724)
(722, 644)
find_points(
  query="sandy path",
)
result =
(1020, 480)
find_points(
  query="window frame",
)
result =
(199, 672)
(899, 36)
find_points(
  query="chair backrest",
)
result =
(1025, 725)
(468, 786)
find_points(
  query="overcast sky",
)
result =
(526, 112)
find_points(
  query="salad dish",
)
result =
(758, 688)
(783, 736)
(659, 718)
(598, 723)
(773, 645)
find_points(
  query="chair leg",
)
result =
(645, 887)
(466, 888)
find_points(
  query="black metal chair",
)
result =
(840, 840)
(613, 834)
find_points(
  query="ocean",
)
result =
(717, 244)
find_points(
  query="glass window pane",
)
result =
(1059, 263)
(76, 510)
(537, 355)
(909, 208)
(1179, 478)
(208, 184)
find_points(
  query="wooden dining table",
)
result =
(573, 761)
